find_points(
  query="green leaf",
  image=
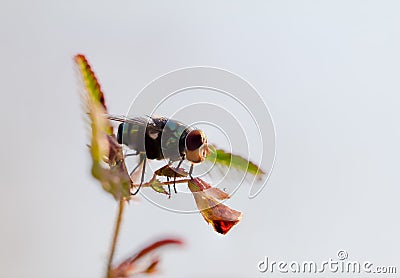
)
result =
(108, 165)
(158, 187)
(237, 162)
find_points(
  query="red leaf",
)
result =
(152, 268)
(167, 171)
(130, 265)
(220, 216)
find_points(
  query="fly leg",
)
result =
(142, 158)
(191, 171)
(169, 189)
(177, 168)
(137, 166)
(132, 154)
(169, 186)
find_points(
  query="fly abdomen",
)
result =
(137, 138)
(131, 135)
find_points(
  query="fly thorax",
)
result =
(172, 144)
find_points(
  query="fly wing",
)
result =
(145, 121)
(141, 121)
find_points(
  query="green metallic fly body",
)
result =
(161, 138)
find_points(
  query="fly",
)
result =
(157, 138)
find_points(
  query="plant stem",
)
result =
(115, 237)
(177, 181)
(163, 183)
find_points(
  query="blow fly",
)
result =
(157, 138)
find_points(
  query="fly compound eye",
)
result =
(195, 139)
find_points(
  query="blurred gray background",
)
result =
(328, 71)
